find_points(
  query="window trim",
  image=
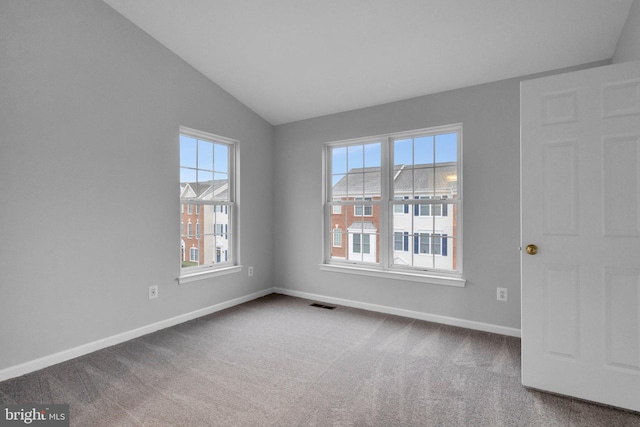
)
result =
(233, 265)
(386, 268)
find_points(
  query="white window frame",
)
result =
(387, 203)
(231, 263)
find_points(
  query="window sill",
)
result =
(207, 274)
(433, 279)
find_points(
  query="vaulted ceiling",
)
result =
(290, 60)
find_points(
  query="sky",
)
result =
(210, 159)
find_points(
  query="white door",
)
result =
(580, 155)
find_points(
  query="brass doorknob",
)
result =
(532, 249)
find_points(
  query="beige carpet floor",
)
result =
(277, 361)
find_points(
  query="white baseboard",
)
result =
(46, 361)
(469, 324)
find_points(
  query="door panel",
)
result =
(580, 165)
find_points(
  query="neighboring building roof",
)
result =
(427, 178)
(358, 225)
(210, 190)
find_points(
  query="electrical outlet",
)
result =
(153, 291)
(250, 271)
(502, 294)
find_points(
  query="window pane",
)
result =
(363, 210)
(372, 155)
(423, 181)
(338, 221)
(397, 241)
(372, 184)
(356, 243)
(339, 160)
(339, 183)
(363, 238)
(423, 150)
(203, 186)
(446, 181)
(220, 187)
(422, 247)
(403, 152)
(355, 184)
(187, 151)
(187, 175)
(337, 237)
(190, 253)
(205, 155)
(220, 238)
(402, 184)
(447, 148)
(366, 244)
(208, 250)
(424, 210)
(355, 157)
(398, 209)
(221, 158)
(436, 244)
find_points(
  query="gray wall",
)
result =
(628, 48)
(491, 173)
(89, 113)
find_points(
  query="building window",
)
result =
(401, 241)
(405, 190)
(207, 181)
(362, 243)
(193, 255)
(363, 210)
(400, 209)
(337, 237)
(432, 244)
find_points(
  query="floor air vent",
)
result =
(328, 307)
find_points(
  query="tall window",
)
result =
(404, 197)
(207, 182)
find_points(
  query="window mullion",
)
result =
(386, 216)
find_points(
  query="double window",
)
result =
(403, 203)
(207, 188)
